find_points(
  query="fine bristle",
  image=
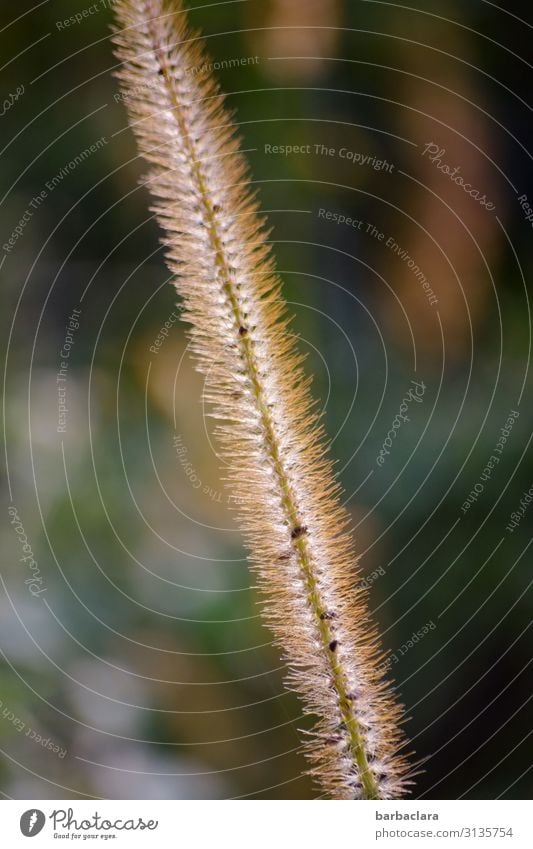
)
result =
(275, 451)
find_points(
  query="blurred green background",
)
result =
(145, 660)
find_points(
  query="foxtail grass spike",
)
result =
(270, 438)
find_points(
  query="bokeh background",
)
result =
(141, 669)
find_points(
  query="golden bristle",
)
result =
(287, 497)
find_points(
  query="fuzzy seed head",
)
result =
(287, 497)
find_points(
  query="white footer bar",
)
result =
(267, 824)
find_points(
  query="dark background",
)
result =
(146, 659)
